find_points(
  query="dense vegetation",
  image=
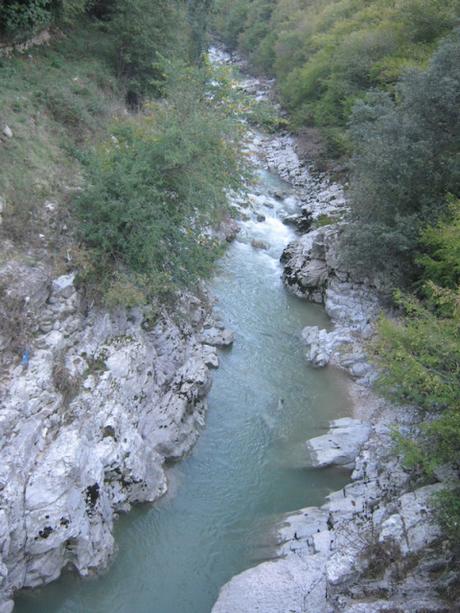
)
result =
(406, 162)
(420, 358)
(326, 54)
(158, 184)
(154, 180)
(381, 79)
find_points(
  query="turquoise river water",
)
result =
(248, 466)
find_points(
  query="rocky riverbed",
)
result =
(375, 545)
(100, 402)
(89, 417)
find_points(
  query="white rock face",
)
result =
(276, 587)
(217, 337)
(8, 132)
(341, 445)
(377, 535)
(87, 422)
(63, 287)
(312, 270)
(318, 196)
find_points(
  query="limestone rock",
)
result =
(87, 426)
(217, 337)
(63, 287)
(276, 587)
(321, 344)
(341, 445)
(8, 132)
(413, 526)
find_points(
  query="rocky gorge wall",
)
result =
(97, 406)
(375, 545)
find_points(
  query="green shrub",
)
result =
(264, 114)
(447, 503)
(146, 31)
(75, 107)
(406, 162)
(419, 357)
(160, 182)
(20, 19)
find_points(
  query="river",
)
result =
(248, 466)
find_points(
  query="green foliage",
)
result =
(53, 98)
(406, 162)
(198, 11)
(441, 259)
(448, 505)
(326, 54)
(324, 220)
(23, 18)
(420, 360)
(421, 356)
(20, 19)
(229, 20)
(160, 182)
(146, 31)
(263, 114)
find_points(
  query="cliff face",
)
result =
(88, 418)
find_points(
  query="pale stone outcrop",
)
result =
(89, 414)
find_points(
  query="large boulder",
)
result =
(279, 586)
(341, 445)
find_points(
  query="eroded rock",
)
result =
(341, 445)
(88, 423)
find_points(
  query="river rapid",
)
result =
(249, 465)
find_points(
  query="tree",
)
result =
(406, 162)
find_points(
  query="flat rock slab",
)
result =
(341, 445)
(282, 586)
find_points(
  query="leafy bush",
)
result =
(146, 31)
(420, 360)
(76, 107)
(21, 18)
(264, 114)
(159, 183)
(406, 162)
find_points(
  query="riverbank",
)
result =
(375, 545)
(89, 419)
(162, 366)
(119, 415)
